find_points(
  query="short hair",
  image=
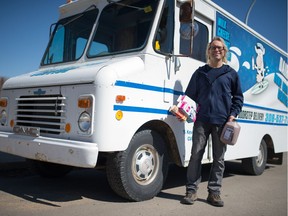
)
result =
(224, 46)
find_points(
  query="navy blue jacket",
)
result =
(217, 92)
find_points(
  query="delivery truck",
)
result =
(110, 73)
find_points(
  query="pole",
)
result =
(249, 10)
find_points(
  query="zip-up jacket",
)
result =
(217, 92)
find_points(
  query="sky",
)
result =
(24, 31)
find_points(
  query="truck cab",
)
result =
(108, 76)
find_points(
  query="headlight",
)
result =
(3, 117)
(84, 122)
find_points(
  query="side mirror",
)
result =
(187, 27)
(186, 12)
(52, 27)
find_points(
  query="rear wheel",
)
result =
(256, 165)
(139, 172)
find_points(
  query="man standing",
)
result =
(216, 89)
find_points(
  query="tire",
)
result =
(139, 172)
(256, 165)
(49, 170)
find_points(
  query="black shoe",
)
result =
(215, 200)
(189, 199)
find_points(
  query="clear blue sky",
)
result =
(25, 28)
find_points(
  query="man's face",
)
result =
(216, 51)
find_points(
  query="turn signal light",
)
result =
(120, 98)
(12, 123)
(68, 128)
(84, 102)
(3, 102)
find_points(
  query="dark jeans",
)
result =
(201, 132)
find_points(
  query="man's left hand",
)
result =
(231, 118)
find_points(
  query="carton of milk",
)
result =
(186, 108)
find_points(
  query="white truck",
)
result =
(110, 73)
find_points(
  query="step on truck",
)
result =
(110, 73)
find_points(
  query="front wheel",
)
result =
(139, 172)
(256, 165)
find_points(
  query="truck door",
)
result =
(189, 53)
(183, 57)
(188, 59)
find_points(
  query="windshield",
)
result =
(123, 26)
(70, 38)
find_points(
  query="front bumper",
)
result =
(60, 151)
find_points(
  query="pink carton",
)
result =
(186, 106)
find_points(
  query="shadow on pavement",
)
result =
(87, 183)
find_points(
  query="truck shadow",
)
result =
(77, 185)
(88, 183)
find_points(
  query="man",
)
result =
(216, 89)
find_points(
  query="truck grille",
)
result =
(44, 112)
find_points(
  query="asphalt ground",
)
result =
(87, 192)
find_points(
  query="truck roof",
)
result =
(78, 6)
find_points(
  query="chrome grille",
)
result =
(44, 112)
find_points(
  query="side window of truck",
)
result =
(164, 37)
(200, 42)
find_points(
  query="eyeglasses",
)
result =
(220, 48)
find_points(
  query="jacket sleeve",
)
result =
(237, 96)
(191, 90)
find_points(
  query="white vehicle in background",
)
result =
(110, 73)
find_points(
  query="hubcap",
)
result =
(145, 164)
(260, 157)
